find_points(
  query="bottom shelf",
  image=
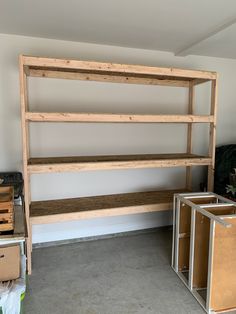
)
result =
(52, 211)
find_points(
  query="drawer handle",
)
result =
(1, 256)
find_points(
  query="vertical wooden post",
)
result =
(212, 135)
(26, 153)
(190, 135)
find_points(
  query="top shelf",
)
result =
(112, 72)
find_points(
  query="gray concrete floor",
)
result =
(123, 275)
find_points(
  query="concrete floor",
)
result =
(123, 275)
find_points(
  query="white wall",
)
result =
(90, 139)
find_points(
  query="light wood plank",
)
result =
(123, 69)
(223, 285)
(107, 117)
(212, 134)
(84, 163)
(190, 135)
(106, 78)
(26, 153)
(101, 206)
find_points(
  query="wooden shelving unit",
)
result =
(110, 205)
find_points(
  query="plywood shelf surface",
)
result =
(111, 117)
(99, 206)
(86, 163)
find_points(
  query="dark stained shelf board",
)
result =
(101, 206)
(86, 163)
(72, 159)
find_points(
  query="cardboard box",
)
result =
(9, 262)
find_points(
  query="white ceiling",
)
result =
(202, 27)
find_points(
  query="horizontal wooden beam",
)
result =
(43, 212)
(100, 213)
(122, 69)
(119, 118)
(68, 164)
(106, 78)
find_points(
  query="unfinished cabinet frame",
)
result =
(204, 248)
(108, 205)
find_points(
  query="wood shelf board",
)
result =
(86, 163)
(127, 70)
(118, 118)
(101, 206)
(109, 78)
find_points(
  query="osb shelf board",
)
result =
(99, 206)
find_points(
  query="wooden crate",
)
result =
(204, 246)
(6, 208)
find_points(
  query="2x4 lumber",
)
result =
(113, 67)
(67, 164)
(26, 153)
(101, 206)
(106, 117)
(212, 135)
(190, 135)
(106, 78)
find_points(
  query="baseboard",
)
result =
(99, 237)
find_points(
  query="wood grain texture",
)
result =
(212, 134)
(6, 208)
(185, 218)
(118, 118)
(72, 75)
(6, 198)
(185, 229)
(122, 69)
(62, 164)
(184, 249)
(191, 104)
(26, 151)
(223, 285)
(201, 248)
(101, 206)
(19, 232)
